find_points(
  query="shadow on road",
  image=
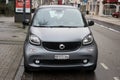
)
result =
(59, 75)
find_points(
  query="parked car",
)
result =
(116, 14)
(59, 38)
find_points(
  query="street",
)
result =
(108, 60)
(11, 44)
(60, 34)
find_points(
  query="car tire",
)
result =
(92, 68)
(26, 70)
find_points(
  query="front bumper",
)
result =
(47, 58)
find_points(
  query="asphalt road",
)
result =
(108, 68)
(107, 25)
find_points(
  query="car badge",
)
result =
(62, 46)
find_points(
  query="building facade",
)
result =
(103, 7)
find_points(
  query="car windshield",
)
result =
(58, 17)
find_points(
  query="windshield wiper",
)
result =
(41, 26)
(67, 26)
(61, 26)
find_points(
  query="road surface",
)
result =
(108, 68)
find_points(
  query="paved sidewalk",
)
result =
(7, 19)
(108, 19)
(10, 31)
(12, 37)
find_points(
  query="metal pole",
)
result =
(24, 16)
(7, 1)
(101, 8)
(92, 7)
(41, 2)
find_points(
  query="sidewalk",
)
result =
(12, 37)
(108, 19)
(7, 19)
(10, 31)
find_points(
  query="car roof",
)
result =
(56, 6)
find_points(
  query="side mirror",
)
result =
(87, 12)
(90, 23)
(26, 22)
(33, 10)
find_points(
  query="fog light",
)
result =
(37, 61)
(85, 61)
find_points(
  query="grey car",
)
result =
(59, 38)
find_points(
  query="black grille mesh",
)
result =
(69, 46)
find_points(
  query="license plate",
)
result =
(61, 57)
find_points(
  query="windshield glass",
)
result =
(58, 17)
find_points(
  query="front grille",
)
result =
(55, 46)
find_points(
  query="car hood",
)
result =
(60, 34)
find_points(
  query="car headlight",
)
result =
(88, 40)
(34, 40)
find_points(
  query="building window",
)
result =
(109, 9)
(119, 8)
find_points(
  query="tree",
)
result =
(2, 1)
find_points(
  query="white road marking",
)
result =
(116, 78)
(113, 30)
(104, 66)
(101, 25)
(107, 28)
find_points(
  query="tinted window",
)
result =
(58, 17)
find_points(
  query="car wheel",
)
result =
(26, 70)
(92, 68)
